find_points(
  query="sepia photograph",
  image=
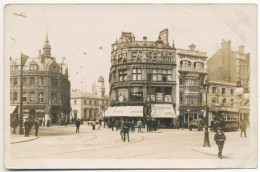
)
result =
(131, 86)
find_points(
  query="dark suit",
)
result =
(36, 125)
(26, 128)
(243, 128)
(220, 140)
(77, 126)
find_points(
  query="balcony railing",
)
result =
(193, 69)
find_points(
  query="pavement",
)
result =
(235, 148)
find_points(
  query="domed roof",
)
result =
(101, 79)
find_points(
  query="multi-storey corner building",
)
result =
(88, 106)
(143, 72)
(191, 73)
(227, 69)
(46, 87)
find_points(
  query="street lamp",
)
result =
(206, 137)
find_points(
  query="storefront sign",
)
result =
(159, 97)
(168, 98)
(124, 111)
(163, 111)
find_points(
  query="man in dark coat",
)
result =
(122, 123)
(127, 126)
(243, 128)
(77, 125)
(26, 127)
(36, 126)
(220, 140)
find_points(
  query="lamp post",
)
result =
(206, 136)
(149, 78)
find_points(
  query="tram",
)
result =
(227, 119)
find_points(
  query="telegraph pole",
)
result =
(21, 98)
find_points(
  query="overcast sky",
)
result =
(75, 29)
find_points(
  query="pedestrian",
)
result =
(26, 127)
(220, 140)
(48, 123)
(132, 126)
(139, 125)
(94, 125)
(14, 125)
(117, 125)
(36, 126)
(77, 125)
(243, 128)
(122, 129)
(112, 125)
(126, 130)
(98, 126)
(148, 125)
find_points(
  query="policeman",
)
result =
(220, 140)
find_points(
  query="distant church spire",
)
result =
(47, 48)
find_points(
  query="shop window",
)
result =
(123, 75)
(24, 96)
(41, 96)
(15, 81)
(32, 96)
(32, 80)
(137, 74)
(136, 94)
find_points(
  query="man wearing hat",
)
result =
(26, 127)
(220, 139)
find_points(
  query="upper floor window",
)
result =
(32, 80)
(32, 96)
(24, 96)
(15, 96)
(41, 81)
(85, 102)
(231, 91)
(90, 102)
(54, 82)
(123, 75)
(15, 81)
(24, 80)
(95, 102)
(75, 102)
(223, 90)
(11, 81)
(41, 96)
(33, 66)
(137, 74)
(214, 89)
(181, 81)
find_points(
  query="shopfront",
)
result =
(165, 114)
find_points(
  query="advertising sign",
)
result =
(159, 97)
(163, 111)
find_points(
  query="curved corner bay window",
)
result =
(137, 74)
(123, 75)
(136, 94)
(162, 75)
(123, 92)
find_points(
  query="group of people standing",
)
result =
(28, 124)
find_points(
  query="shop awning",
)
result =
(162, 111)
(124, 111)
(12, 109)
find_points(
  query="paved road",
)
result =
(63, 142)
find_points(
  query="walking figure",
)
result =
(36, 127)
(243, 128)
(139, 124)
(126, 130)
(220, 140)
(122, 129)
(77, 125)
(26, 127)
(132, 126)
